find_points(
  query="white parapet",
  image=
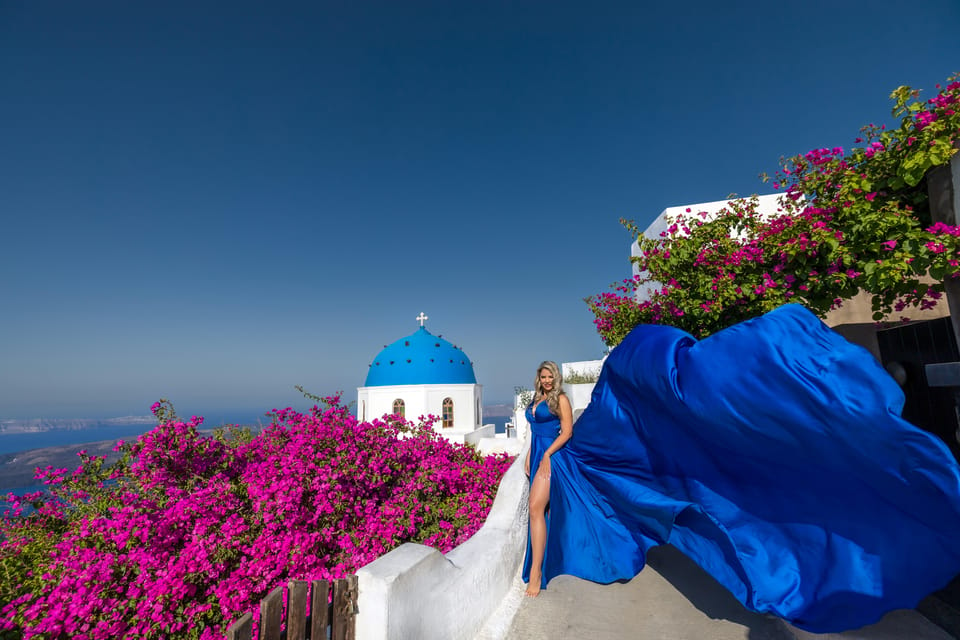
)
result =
(486, 431)
(416, 592)
(509, 446)
(583, 367)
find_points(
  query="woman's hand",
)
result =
(526, 464)
(543, 471)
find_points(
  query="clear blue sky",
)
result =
(214, 202)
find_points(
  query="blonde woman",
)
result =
(551, 425)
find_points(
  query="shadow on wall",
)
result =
(854, 320)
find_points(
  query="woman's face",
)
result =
(546, 379)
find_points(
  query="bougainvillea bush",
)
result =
(187, 531)
(849, 221)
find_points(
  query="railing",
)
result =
(332, 618)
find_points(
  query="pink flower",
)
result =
(943, 228)
(923, 119)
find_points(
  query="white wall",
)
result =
(425, 399)
(579, 396)
(415, 592)
(767, 205)
(583, 366)
(486, 431)
(509, 446)
(520, 421)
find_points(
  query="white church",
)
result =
(422, 374)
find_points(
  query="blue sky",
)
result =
(214, 202)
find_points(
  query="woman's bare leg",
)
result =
(539, 497)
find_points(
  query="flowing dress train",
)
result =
(772, 454)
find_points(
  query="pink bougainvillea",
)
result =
(189, 531)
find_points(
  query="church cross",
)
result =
(422, 318)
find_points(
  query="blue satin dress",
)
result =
(772, 454)
(544, 429)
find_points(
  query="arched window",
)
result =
(363, 410)
(399, 408)
(447, 413)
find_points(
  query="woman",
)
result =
(773, 454)
(551, 425)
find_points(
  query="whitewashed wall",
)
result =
(499, 444)
(486, 431)
(418, 593)
(767, 205)
(424, 399)
(579, 396)
(520, 422)
(582, 366)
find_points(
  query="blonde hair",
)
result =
(553, 396)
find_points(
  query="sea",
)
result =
(17, 442)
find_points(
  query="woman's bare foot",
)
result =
(533, 587)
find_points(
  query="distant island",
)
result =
(498, 410)
(17, 469)
(38, 425)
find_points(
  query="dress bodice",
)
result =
(543, 422)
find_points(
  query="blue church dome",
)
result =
(420, 358)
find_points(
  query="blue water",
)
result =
(499, 423)
(4, 505)
(19, 491)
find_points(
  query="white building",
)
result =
(422, 374)
(767, 206)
